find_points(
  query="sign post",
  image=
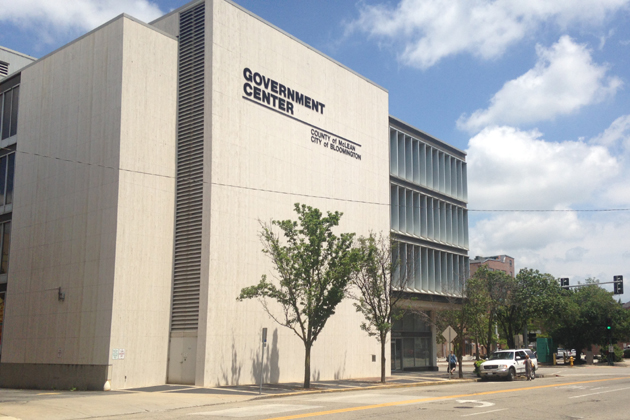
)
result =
(449, 335)
(262, 356)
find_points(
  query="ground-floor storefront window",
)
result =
(412, 343)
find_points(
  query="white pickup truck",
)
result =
(507, 364)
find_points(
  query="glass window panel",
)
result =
(422, 323)
(447, 171)
(449, 223)
(6, 114)
(402, 210)
(454, 177)
(408, 159)
(436, 175)
(416, 163)
(408, 352)
(1, 111)
(423, 351)
(397, 325)
(6, 242)
(408, 322)
(417, 214)
(10, 176)
(3, 178)
(423, 164)
(425, 269)
(394, 207)
(409, 213)
(396, 262)
(417, 267)
(410, 267)
(401, 155)
(393, 152)
(429, 167)
(431, 261)
(14, 111)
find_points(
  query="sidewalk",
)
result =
(58, 405)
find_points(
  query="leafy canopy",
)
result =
(313, 267)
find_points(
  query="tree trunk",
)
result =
(489, 348)
(476, 346)
(383, 361)
(307, 365)
(462, 343)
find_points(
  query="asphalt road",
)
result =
(584, 393)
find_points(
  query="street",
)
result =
(576, 393)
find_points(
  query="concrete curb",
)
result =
(392, 386)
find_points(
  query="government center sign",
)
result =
(280, 98)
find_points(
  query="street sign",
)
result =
(449, 334)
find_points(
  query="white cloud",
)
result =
(513, 169)
(618, 132)
(52, 18)
(430, 30)
(563, 80)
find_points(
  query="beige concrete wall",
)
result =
(102, 234)
(145, 213)
(260, 163)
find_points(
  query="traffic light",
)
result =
(618, 285)
(564, 283)
(608, 324)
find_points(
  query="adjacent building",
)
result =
(503, 263)
(145, 157)
(12, 61)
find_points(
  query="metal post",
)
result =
(262, 357)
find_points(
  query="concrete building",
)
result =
(12, 61)
(429, 219)
(145, 157)
(503, 263)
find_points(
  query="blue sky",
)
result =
(537, 93)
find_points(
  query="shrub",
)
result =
(478, 367)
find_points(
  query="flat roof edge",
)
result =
(305, 44)
(120, 16)
(178, 10)
(17, 53)
(416, 130)
(241, 8)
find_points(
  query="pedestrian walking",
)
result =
(452, 362)
(528, 367)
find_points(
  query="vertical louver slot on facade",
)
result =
(188, 221)
(4, 68)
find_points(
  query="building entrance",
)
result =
(412, 343)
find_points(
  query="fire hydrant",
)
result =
(571, 360)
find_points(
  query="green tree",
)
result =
(583, 319)
(494, 288)
(313, 267)
(376, 287)
(464, 313)
(530, 296)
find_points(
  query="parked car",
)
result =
(507, 364)
(562, 353)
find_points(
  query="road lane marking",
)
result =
(449, 397)
(483, 403)
(484, 412)
(257, 410)
(601, 392)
